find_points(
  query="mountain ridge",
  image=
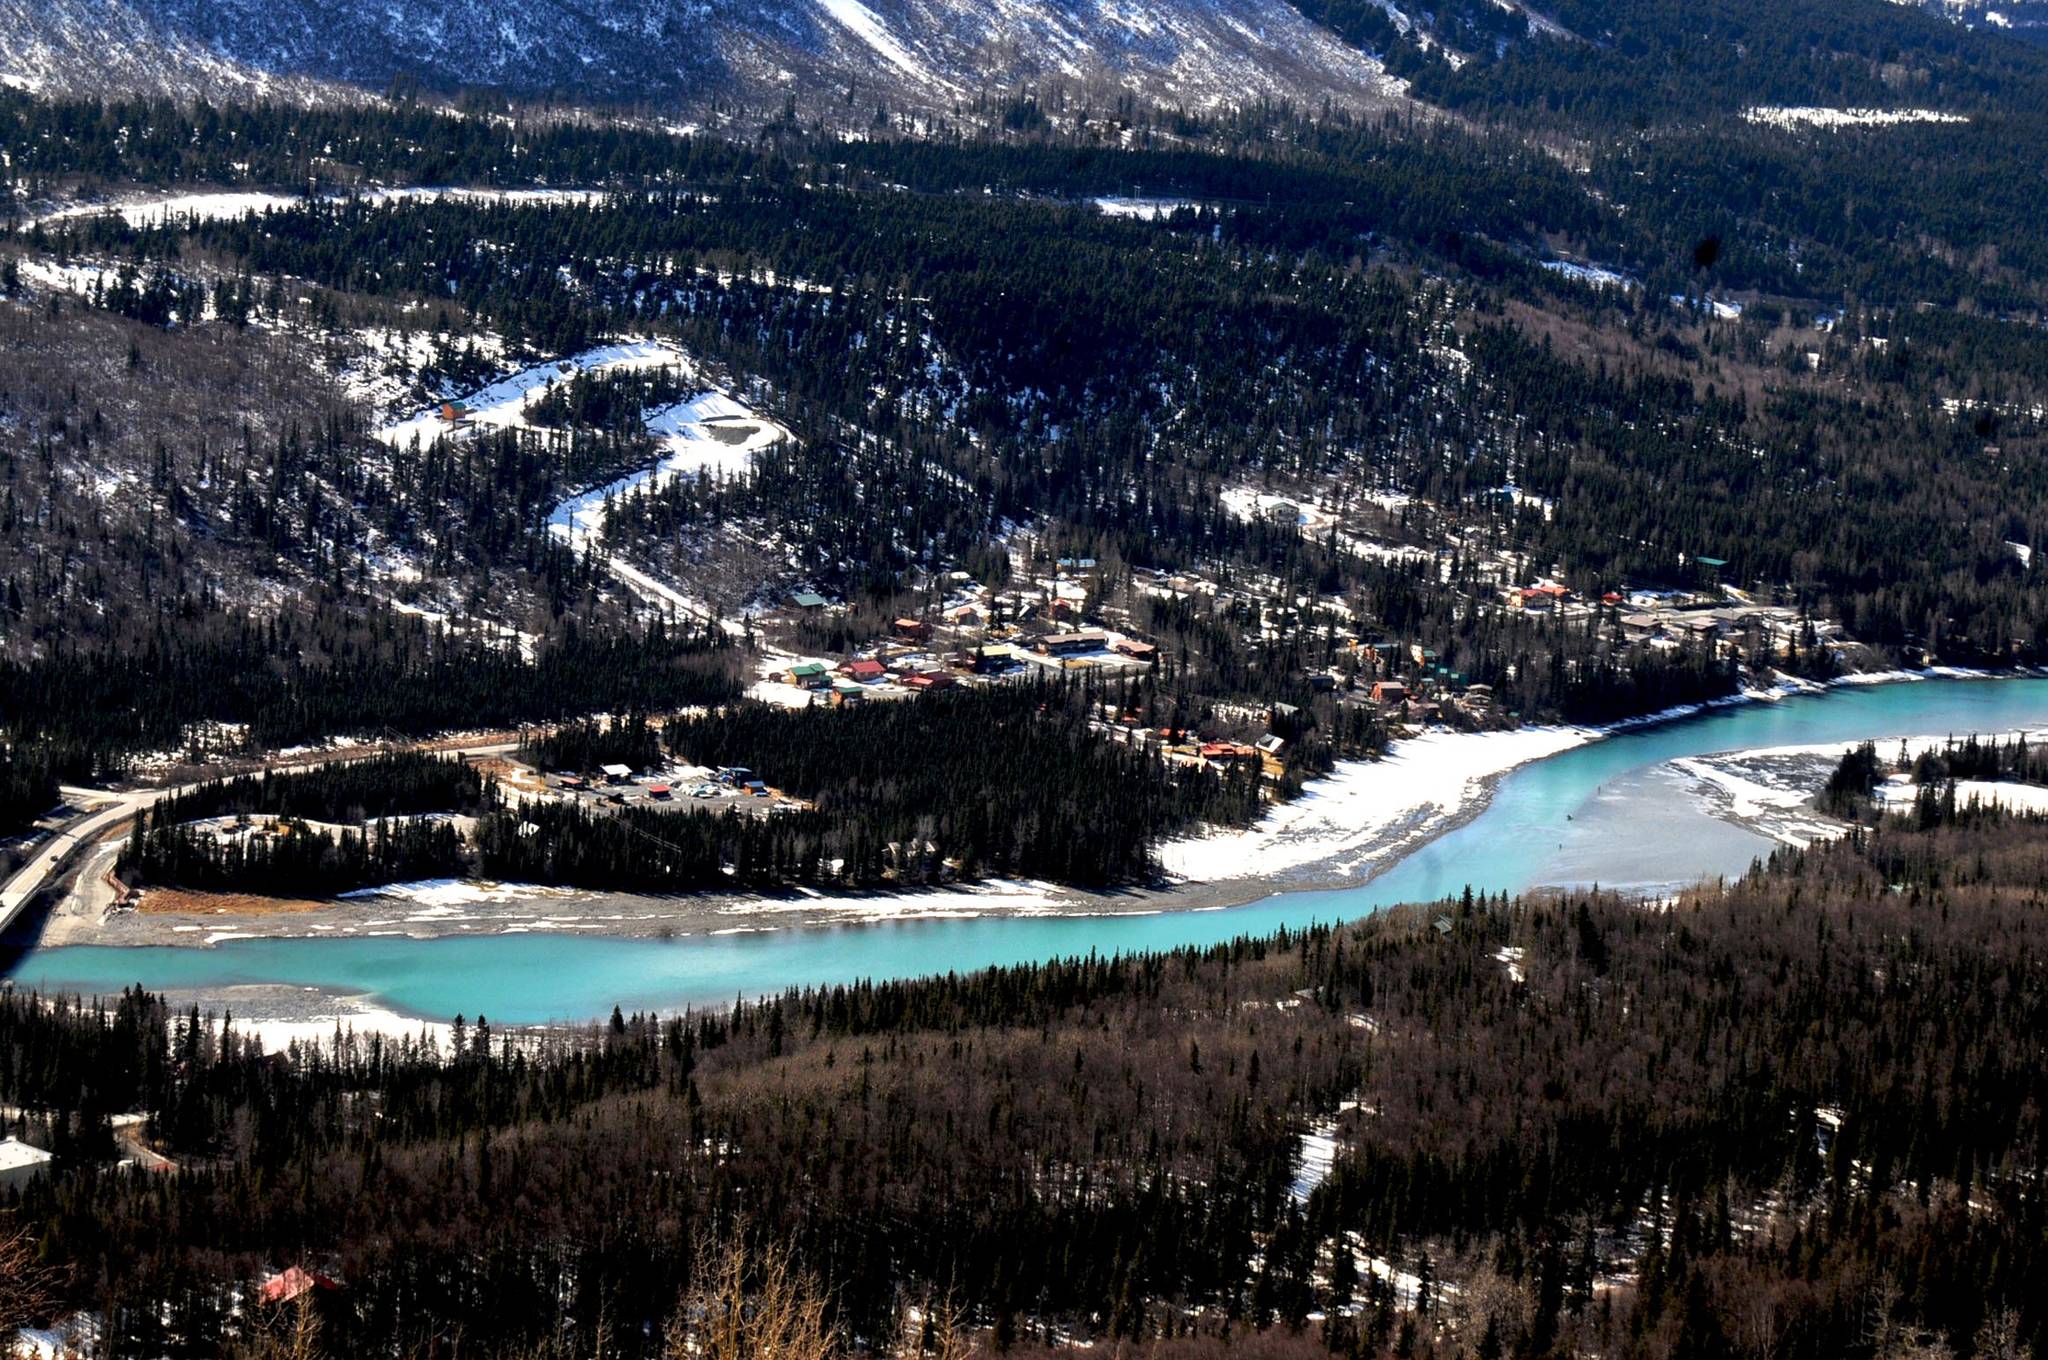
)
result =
(923, 55)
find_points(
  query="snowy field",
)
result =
(502, 405)
(707, 434)
(1592, 275)
(149, 212)
(1143, 209)
(326, 1015)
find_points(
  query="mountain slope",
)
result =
(920, 54)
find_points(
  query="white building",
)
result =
(20, 1163)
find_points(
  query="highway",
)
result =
(53, 855)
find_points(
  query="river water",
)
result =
(1612, 812)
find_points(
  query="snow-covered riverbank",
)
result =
(1369, 812)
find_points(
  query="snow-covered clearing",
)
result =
(690, 434)
(1791, 116)
(710, 432)
(1367, 813)
(1317, 1154)
(347, 1015)
(1899, 794)
(502, 405)
(1592, 275)
(1249, 503)
(155, 211)
(1143, 209)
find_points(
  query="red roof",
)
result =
(289, 1285)
(870, 669)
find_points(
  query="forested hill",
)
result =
(1617, 64)
(1798, 1115)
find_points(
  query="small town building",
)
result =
(21, 1163)
(617, 774)
(290, 1285)
(864, 671)
(1389, 692)
(809, 675)
(807, 600)
(1072, 644)
(1136, 650)
(915, 630)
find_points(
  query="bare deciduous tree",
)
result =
(751, 1305)
(27, 1287)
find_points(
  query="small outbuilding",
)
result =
(21, 1163)
(288, 1286)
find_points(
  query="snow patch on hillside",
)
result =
(864, 24)
(1794, 116)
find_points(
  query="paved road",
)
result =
(53, 855)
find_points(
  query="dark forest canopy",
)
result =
(1582, 1124)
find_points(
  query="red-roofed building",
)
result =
(863, 670)
(292, 1284)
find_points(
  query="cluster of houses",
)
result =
(908, 662)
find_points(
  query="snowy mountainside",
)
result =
(915, 54)
(113, 47)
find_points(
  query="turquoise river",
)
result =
(1607, 812)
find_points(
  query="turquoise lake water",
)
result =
(1597, 813)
